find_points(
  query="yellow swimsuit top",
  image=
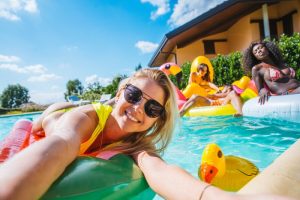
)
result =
(103, 112)
(198, 80)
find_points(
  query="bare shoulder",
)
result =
(259, 69)
(88, 110)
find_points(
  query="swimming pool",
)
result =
(258, 140)
(6, 122)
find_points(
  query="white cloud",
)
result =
(12, 67)
(31, 6)
(47, 97)
(146, 47)
(94, 78)
(104, 81)
(8, 15)
(9, 59)
(43, 78)
(186, 10)
(163, 7)
(10, 8)
(32, 69)
(36, 69)
(91, 79)
(37, 72)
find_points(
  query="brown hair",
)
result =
(206, 77)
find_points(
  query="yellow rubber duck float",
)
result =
(229, 173)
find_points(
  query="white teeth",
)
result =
(131, 117)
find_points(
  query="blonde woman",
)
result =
(140, 124)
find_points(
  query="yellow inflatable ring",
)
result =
(229, 173)
(202, 59)
(194, 88)
(242, 83)
(211, 111)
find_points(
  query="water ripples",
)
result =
(259, 140)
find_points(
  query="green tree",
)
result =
(73, 87)
(290, 49)
(113, 87)
(14, 95)
(139, 67)
(92, 92)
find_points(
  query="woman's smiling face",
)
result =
(132, 117)
(202, 70)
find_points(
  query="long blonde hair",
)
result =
(156, 138)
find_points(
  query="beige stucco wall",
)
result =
(241, 34)
(189, 52)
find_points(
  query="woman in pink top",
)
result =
(270, 73)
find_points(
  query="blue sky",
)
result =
(45, 43)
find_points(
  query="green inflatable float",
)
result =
(87, 177)
(94, 178)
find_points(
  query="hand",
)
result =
(263, 96)
(37, 128)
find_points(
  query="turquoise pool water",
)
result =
(6, 123)
(258, 140)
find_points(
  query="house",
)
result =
(230, 26)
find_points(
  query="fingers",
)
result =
(263, 98)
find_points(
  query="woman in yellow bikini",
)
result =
(140, 124)
(202, 78)
(271, 75)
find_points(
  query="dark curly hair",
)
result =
(206, 76)
(249, 60)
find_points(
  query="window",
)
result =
(273, 28)
(287, 21)
(209, 45)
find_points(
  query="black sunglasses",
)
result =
(134, 95)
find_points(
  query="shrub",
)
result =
(290, 48)
(227, 69)
(186, 68)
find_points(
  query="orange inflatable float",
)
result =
(245, 87)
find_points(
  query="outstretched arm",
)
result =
(172, 182)
(31, 172)
(213, 86)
